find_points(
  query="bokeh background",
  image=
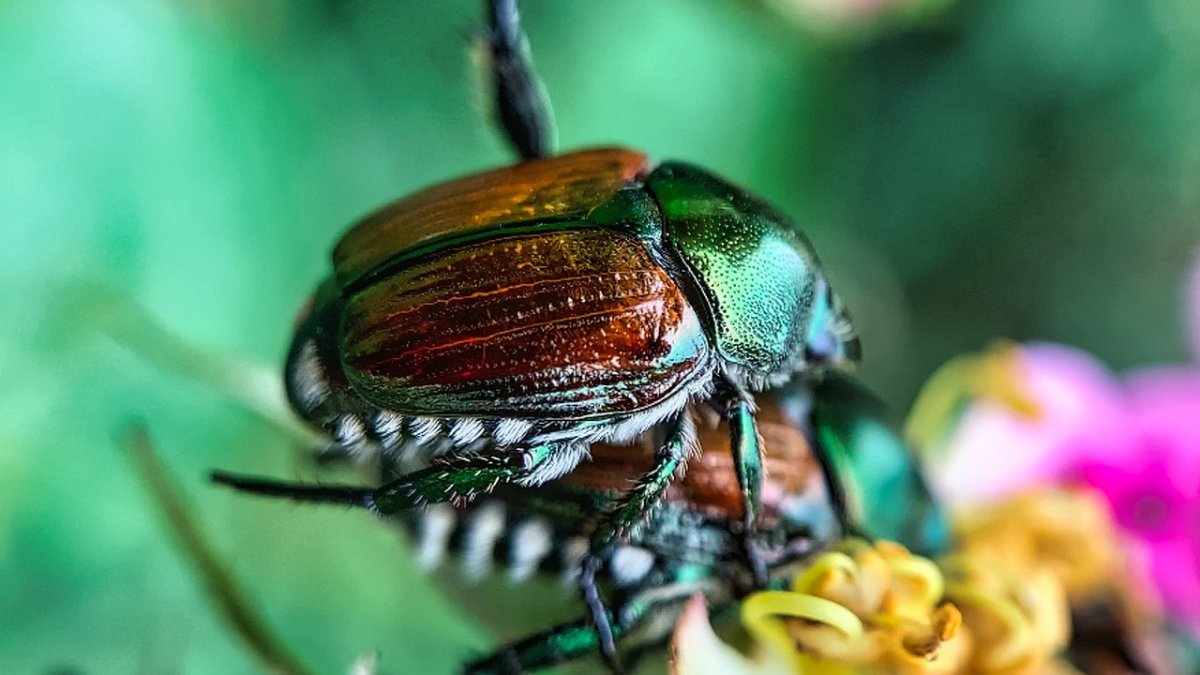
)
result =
(174, 172)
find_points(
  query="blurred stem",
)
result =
(115, 314)
(220, 585)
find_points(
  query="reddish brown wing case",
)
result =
(551, 188)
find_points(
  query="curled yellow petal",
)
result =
(924, 573)
(763, 614)
(1018, 640)
(804, 581)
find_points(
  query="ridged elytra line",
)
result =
(655, 286)
(436, 245)
(518, 329)
(530, 284)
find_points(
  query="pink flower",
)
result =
(995, 450)
(1136, 440)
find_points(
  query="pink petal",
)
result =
(994, 451)
(1146, 499)
(1165, 412)
(1176, 570)
(696, 649)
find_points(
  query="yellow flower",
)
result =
(1068, 533)
(998, 605)
(871, 609)
(862, 609)
(1041, 541)
(1019, 619)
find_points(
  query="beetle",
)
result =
(513, 348)
(684, 547)
(507, 321)
(826, 450)
(874, 476)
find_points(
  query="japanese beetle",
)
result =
(510, 320)
(505, 322)
(513, 318)
(541, 308)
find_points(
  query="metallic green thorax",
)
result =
(758, 275)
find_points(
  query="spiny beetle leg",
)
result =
(455, 479)
(521, 101)
(460, 478)
(747, 460)
(649, 489)
(628, 512)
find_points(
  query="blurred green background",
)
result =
(1016, 168)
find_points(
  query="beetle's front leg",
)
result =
(748, 464)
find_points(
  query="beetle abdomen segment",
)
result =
(561, 325)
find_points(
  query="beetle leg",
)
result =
(521, 101)
(462, 477)
(347, 495)
(628, 512)
(606, 632)
(646, 493)
(550, 647)
(454, 479)
(747, 460)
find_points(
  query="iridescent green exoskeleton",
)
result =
(875, 478)
(493, 328)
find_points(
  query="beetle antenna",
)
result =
(302, 492)
(521, 101)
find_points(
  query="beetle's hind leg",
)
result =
(459, 478)
(521, 102)
(550, 647)
(451, 479)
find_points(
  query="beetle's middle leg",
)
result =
(633, 506)
(630, 511)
